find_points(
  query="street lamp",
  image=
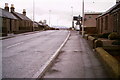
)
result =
(49, 17)
(72, 17)
(72, 10)
(79, 20)
(33, 13)
(83, 18)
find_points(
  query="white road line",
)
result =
(44, 68)
(15, 44)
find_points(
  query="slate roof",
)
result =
(93, 13)
(6, 14)
(38, 23)
(21, 16)
(111, 9)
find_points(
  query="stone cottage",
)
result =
(9, 21)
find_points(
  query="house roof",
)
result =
(21, 16)
(111, 9)
(93, 13)
(38, 23)
(6, 14)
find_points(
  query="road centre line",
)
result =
(15, 44)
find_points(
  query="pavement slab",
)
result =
(76, 60)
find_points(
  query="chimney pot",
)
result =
(6, 4)
(24, 12)
(6, 7)
(117, 1)
(12, 5)
(12, 8)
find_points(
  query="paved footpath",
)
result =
(76, 60)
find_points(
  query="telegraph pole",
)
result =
(72, 17)
(49, 17)
(83, 18)
(33, 13)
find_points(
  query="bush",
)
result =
(113, 36)
(116, 42)
(104, 35)
(99, 35)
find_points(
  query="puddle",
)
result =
(57, 60)
(53, 71)
(77, 51)
(61, 51)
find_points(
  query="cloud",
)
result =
(61, 10)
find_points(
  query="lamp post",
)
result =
(33, 13)
(72, 10)
(83, 18)
(72, 18)
(49, 17)
(79, 20)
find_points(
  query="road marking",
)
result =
(15, 44)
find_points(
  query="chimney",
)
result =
(6, 7)
(24, 12)
(117, 1)
(12, 8)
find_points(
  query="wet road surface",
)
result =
(23, 56)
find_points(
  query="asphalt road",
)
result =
(23, 56)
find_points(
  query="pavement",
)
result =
(15, 35)
(76, 60)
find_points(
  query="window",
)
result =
(115, 22)
(106, 23)
(101, 24)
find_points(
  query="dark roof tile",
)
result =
(21, 16)
(7, 14)
(111, 9)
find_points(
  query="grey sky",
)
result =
(61, 11)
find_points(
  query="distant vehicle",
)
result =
(77, 28)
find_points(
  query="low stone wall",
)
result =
(106, 42)
(100, 42)
(86, 36)
(111, 64)
(91, 41)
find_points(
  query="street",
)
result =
(59, 39)
(24, 55)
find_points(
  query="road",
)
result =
(23, 56)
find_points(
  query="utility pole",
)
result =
(72, 18)
(33, 13)
(49, 17)
(83, 18)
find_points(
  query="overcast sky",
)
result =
(61, 11)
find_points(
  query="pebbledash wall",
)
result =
(110, 20)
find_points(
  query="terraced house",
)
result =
(110, 20)
(8, 21)
(25, 24)
(13, 22)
